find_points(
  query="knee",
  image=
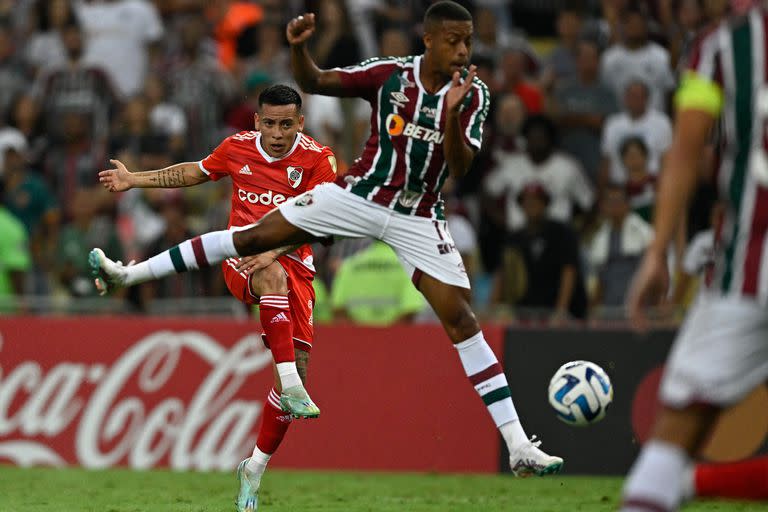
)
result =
(462, 325)
(270, 280)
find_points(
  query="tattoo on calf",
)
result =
(302, 362)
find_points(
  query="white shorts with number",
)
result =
(420, 243)
(720, 354)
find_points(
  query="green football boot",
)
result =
(248, 498)
(296, 401)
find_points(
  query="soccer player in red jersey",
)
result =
(267, 167)
(428, 115)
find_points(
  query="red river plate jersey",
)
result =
(261, 182)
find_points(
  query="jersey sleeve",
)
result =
(324, 170)
(701, 87)
(364, 79)
(475, 113)
(215, 164)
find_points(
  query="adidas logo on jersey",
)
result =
(280, 317)
(245, 170)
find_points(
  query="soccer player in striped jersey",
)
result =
(266, 167)
(721, 351)
(427, 121)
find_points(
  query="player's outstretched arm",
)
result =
(120, 178)
(310, 78)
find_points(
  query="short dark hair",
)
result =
(445, 10)
(543, 122)
(280, 94)
(633, 141)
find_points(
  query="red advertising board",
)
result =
(187, 394)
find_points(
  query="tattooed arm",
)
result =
(178, 175)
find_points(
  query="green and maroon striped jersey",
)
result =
(733, 57)
(403, 166)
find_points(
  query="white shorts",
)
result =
(720, 354)
(420, 243)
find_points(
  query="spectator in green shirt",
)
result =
(15, 260)
(29, 199)
(371, 288)
(88, 229)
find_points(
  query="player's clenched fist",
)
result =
(117, 179)
(300, 29)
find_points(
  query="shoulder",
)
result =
(615, 121)
(613, 53)
(311, 152)
(380, 63)
(310, 146)
(659, 118)
(240, 137)
(657, 51)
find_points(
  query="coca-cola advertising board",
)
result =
(188, 394)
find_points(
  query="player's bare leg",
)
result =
(271, 232)
(451, 303)
(274, 425)
(654, 481)
(270, 284)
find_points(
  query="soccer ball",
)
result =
(580, 392)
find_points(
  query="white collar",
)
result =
(271, 159)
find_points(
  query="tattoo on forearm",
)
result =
(169, 177)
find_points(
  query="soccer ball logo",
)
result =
(580, 392)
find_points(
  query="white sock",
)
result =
(688, 483)
(289, 375)
(487, 376)
(513, 434)
(138, 273)
(654, 481)
(257, 464)
(199, 252)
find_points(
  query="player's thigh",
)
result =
(426, 246)
(720, 354)
(329, 210)
(238, 283)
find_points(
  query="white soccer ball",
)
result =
(580, 392)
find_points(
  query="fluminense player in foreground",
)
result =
(267, 167)
(428, 114)
(721, 351)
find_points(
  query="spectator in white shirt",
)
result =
(637, 120)
(638, 58)
(542, 162)
(118, 35)
(617, 247)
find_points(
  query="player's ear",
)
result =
(301, 123)
(256, 120)
(427, 40)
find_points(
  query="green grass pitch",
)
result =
(75, 490)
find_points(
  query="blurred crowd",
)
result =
(552, 219)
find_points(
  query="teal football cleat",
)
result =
(248, 498)
(107, 274)
(528, 460)
(295, 400)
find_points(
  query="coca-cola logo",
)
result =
(114, 422)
